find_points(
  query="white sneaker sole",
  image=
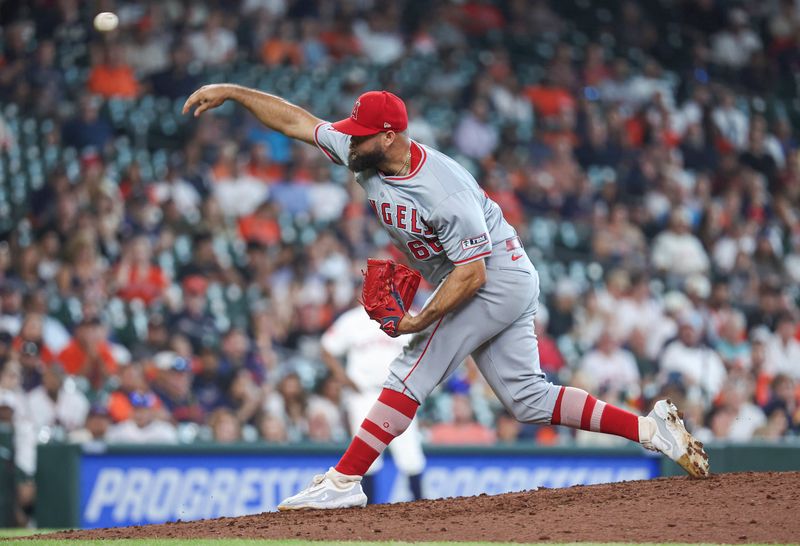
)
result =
(355, 501)
(694, 459)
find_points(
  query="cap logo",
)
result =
(356, 106)
(386, 124)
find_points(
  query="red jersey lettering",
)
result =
(386, 214)
(414, 222)
(401, 216)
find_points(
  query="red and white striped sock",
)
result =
(577, 408)
(387, 419)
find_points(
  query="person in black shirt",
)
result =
(177, 81)
(87, 129)
(756, 155)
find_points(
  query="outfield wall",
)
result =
(104, 486)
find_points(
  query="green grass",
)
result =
(7, 537)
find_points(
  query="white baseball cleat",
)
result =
(330, 490)
(670, 437)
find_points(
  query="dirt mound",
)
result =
(726, 508)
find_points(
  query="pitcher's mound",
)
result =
(726, 508)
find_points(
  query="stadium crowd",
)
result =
(166, 279)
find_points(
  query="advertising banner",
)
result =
(119, 489)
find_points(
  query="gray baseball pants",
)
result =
(496, 328)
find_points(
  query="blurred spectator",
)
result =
(31, 366)
(775, 428)
(131, 380)
(327, 199)
(225, 428)
(211, 382)
(244, 397)
(282, 47)
(98, 422)
(590, 320)
(237, 354)
(733, 46)
(768, 307)
(173, 386)
(378, 38)
(272, 429)
(112, 77)
(290, 402)
(57, 401)
(562, 309)
(87, 129)
(462, 428)
(719, 422)
(475, 136)
(148, 52)
(156, 338)
(319, 427)
(756, 156)
(83, 273)
(637, 309)
(143, 427)
(732, 345)
(136, 276)
(758, 359)
(549, 100)
(262, 165)
(730, 121)
(697, 150)
(339, 40)
(204, 264)
(677, 251)
(89, 353)
(609, 367)
(784, 399)
(737, 394)
(697, 365)
(45, 79)
(177, 80)
(508, 428)
(783, 349)
(619, 240)
(327, 404)
(214, 44)
(176, 189)
(46, 332)
(261, 226)
(194, 321)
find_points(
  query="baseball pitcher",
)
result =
(485, 301)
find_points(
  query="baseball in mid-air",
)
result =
(106, 21)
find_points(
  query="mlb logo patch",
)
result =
(472, 242)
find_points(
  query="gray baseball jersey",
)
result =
(440, 218)
(437, 214)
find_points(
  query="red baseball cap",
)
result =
(374, 112)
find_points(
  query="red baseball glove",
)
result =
(388, 291)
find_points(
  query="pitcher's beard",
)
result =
(365, 161)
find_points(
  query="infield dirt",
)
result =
(725, 508)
